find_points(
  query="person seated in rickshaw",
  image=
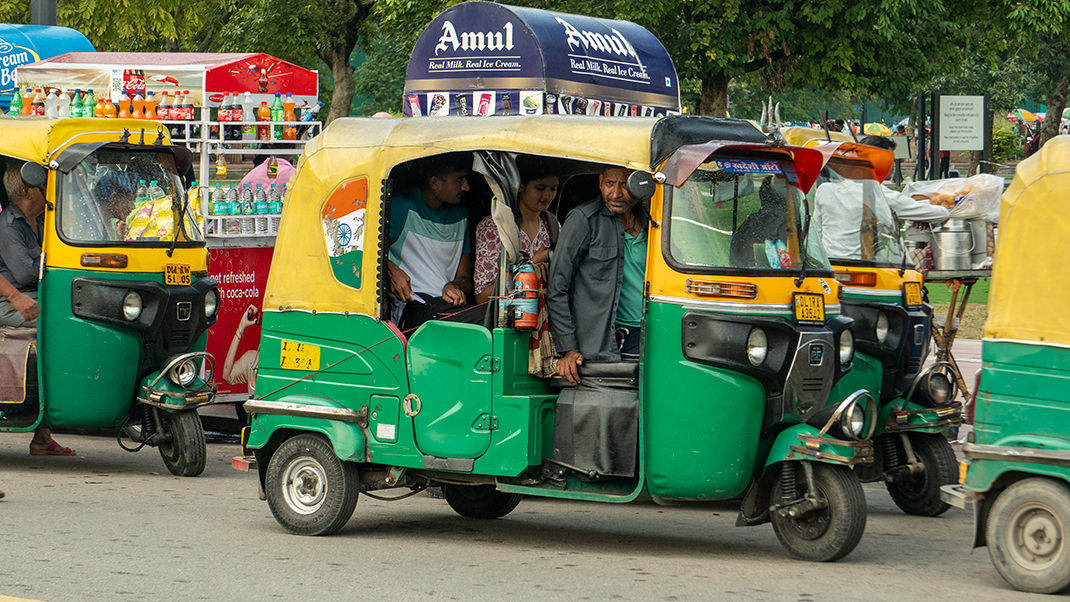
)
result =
(21, 223)
(599, 263)
(116, 191)
(849, 226)
(430, 262)
(768, 225)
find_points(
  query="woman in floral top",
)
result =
(538, 188)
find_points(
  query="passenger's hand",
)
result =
(452, 294)
(541, 256)
(26, 306)
(400, 283)
(568, 366)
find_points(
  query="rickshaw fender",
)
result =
(885, 411)
(788, 442)
(268, 431)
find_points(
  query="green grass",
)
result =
(976, 309)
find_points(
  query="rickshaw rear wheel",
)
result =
(919, 494)
(309, 489)
(829, 533)
(185, 453)
(479, 501)
(1028, 535)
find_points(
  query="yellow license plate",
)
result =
(176, 274)
(299, 356)
(912, 294)
(809, 307)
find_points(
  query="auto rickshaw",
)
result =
(1018, 454)
(893, 328)
(742, 340)
(124, 294)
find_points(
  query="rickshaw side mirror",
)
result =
(641, 186)
(34, 175)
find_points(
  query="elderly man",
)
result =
(21, 222)
(599, 263)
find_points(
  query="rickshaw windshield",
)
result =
(854, 220)
(741, 213)
(100, 204)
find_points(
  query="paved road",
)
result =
(113, 526)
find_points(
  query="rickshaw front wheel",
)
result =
(827, 533)
(479, 501)
(919, 494)
(309, 489)
(1027, 533)
(185, 451)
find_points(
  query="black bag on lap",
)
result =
(596, 426)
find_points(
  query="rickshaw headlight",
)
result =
(211, 303)
(757, 346)
(881, 329)
(132, 306)
(853, 421)
(938, 387)
(183, 373)
(847, 347)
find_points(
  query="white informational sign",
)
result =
(902, 147)
(962, 123)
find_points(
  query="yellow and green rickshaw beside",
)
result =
(123, 289)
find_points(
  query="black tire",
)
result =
(1028, 535)
(185, 454)
(479, 501)
(309, 490)
(827, 534)
(919, 494)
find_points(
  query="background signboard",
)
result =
(961, 123)
(24, 44)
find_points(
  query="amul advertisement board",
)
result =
(483, 58)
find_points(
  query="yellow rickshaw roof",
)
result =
(797, 135)
(1029, 293)
(36, 139)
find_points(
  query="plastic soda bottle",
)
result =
(27, 102)
(88, 103)
(163, 110)
(289, 132)
(277, 115)
(220, 165)
(52, 104)
(248, 113)
(77, 104)
(110, 109)
(64, 105)
(272, 167)
(16, 104)
(38, 106)
(263, 113)
(99, 110)
(124, 105)
(150, 106)
(137, 104)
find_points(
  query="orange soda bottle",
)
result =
(27, 102)
(289, 132)
(138, 106)
(263, 113)
(98, 109)
(110, 110)
(124, 106)
(150, 106)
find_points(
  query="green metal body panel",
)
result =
(701, 423)
(1023, 401)
(866, 373)
(891, 297)
(361, 363)
(781, 447)
(88, 370)
(450, 367)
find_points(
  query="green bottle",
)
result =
(277, 115)
(77, 105)
(16, 103)
(89, 103)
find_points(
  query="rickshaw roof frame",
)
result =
(39, 139)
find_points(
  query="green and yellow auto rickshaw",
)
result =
(123, 289)
(742, 340)
(1018, 454)
(893, 324)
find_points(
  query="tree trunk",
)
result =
(714, 97)
(345, 83)
(1056, 102)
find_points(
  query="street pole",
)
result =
(986, 154)
(934, 143)
(919, 168)
(43, 12)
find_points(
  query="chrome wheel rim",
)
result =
(304, 486)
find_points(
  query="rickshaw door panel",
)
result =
(450, 368)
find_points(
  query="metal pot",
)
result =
(952, 245)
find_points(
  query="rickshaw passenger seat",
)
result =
(596, 423)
